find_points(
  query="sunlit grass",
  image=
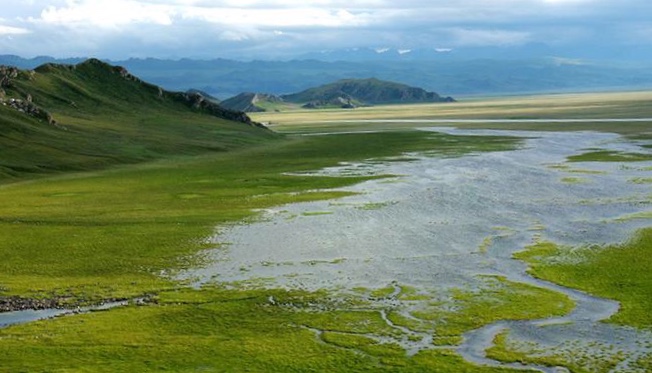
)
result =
(619, 272)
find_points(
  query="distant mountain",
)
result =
(249, 102)
(488, 71)
(527, 51)
(32, 63)
(355, 92)
(91, 115)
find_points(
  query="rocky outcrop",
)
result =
(28, 107)
(343, 102)
(16, 303)
(8, 304)
(7, 73)
(24, 105)
(198, 102)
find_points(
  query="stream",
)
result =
(29, 315)
(445, 223)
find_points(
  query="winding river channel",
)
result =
(447, 222)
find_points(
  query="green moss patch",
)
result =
(610, 156)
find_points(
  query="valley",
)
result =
(487, 235)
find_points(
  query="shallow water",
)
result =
(445, 221)
(25, 316)
(426, 226)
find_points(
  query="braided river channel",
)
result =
(450, 223)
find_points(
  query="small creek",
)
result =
(25, 316)
(445, 222)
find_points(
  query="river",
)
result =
(446, 221)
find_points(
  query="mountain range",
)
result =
(496, 72)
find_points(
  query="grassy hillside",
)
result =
(250, 102)
(365, 91)
(92, 115)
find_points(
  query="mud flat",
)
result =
(448, 222)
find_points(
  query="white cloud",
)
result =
(167, 28)
(8, 30)
(105, 13)
(276, 18)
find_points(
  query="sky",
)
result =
(277, 29)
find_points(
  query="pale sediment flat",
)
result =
(444, 221)
(494, 120)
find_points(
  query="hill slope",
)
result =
(91, 115)
(354, 92)
(249, 102)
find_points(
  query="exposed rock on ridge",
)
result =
(25, 104)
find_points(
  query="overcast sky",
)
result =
(120, 29)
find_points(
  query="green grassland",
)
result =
(620, 272)
(109, 234)
(241, 330)
(610, 156)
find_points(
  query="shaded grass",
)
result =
(620, 272)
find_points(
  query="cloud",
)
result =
(276, 18)
(483, 37)
(8, 30)
(264, 29)
(105, 13)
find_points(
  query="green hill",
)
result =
(250, 102)
(356, 92)
(92, 115)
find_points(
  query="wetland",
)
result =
(405, 250)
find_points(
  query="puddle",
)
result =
(445, 221)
